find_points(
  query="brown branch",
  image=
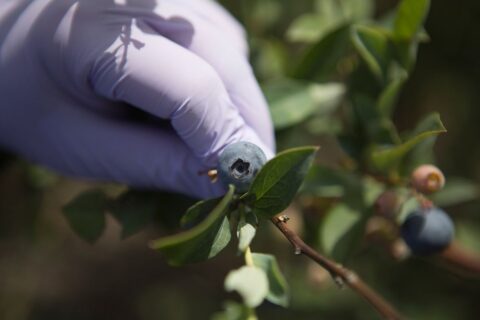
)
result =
(457, 256)
(339, 273)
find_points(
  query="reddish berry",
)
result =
(427, 179)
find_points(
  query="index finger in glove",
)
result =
(166, 80)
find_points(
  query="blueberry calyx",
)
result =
(240, 168)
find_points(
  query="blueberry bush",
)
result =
(346, 179)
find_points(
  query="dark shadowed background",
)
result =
(47, 272)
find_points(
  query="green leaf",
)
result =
(371, 189)
(409, 18)
(343, 226)
(278, 181)
(422, 153)
(373, 45)
(344, 10)
(340, 231)
(408, 31)
(291, 102)
(324, 125)
(278, 292)
(387, 99)
(466, 233)
(250, 282)
(40, 177)
(246, 230)
(456, 191)
(378, 128)
(203, 241)
(263, 14)
(351, 188)
(311, 27)
(389, 157)
(327, 96)
(431, 123)
(86, 214)
(134, 210)
(234, 311)
(198, 212)
(409, 204)
(324, 182)
(321, 58)
(170, 208)
(271, 59)
(356, 10)
(329, 15)
(406, 53)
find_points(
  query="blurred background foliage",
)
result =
(305, 56)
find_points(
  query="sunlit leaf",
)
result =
(311, 27)
(356, 10)
(344, 11)
(329, 15)
(292, 102)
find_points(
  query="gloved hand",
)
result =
(72, 71)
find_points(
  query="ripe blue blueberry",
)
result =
(239, 163)
(427, 231)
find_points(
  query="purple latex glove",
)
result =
(71, 72)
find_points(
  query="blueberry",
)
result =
(239, 163)
(427, 231)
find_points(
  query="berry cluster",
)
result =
(427, 230)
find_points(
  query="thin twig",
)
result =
(457, 256)
(339, 273)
